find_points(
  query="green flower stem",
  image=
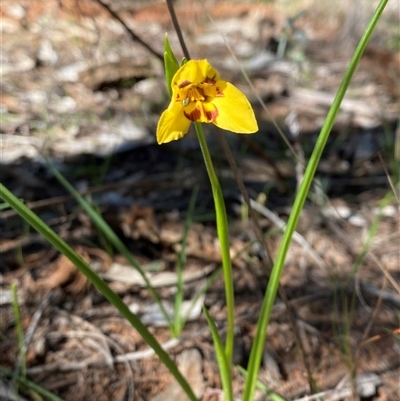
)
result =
(223, 235)
(96, 280)
(258, 344)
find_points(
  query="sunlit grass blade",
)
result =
(223, 363)
(223, 236)
(21, 364)
(102, 225)
(261, 386)
(258, 344)
(97, 281)
(178, 320)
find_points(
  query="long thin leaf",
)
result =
(19, 330)
(178, 320)
(223, 236)
(96, 280)
(223, 363)
(269, 298)
(261, 386)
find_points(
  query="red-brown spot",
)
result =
(210, 81)
(211, 114)
(194, 115)
(184, 83)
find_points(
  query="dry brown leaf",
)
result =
(63, 270)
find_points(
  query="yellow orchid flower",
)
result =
(198, 94)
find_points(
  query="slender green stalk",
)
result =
(261, 386)
(95, 279)
(19, 330)
(258, 345)
(178, 320)
(223, 365)
(223, 235)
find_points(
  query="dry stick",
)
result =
(297, 237)
(372, 320)
(129, 357)
(392, 186)
(353, 371)
(253, 89)
(129, 30)
(178, 30)
(260, 237)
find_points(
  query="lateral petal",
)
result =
(234, 111)
(172, 124)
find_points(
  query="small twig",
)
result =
(131, 356)
(177, 27)
(381, 293)
(130, 32)
(296, 236)
(253, 89)
(391, 183)
(35, 319)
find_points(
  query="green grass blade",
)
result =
(223, 236)
(261, 386)
(113, 238)
(178, 321)
(96, 280)
(223, 364)
(258, 344)
(19, 330)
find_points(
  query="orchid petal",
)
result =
(172, 124)
(195, 71)
(234, 111)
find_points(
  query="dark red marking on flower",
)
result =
(194, 115)
(211, 114)
(184, 83)
(219, 92)
(210, 81)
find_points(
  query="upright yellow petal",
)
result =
(234, 111)
(172, 124)
(195, 71)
